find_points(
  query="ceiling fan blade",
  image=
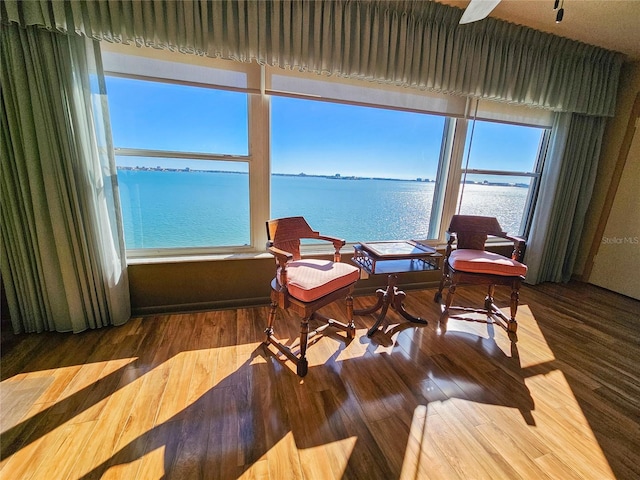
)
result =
(477, 10)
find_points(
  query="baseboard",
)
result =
(199, 306)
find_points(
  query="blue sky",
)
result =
(312, 137)
(329, 138)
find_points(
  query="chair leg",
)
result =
(272, 316)
(438, 295)
(488, 300)
(351, 326)
(302, 364)
(444, 316)
(449, 300)
(512, 325)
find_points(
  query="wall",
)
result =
(597, 214)
(208, 284)
(616, 264)
(199, 284)
(174, 286)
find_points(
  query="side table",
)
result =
(392, 258)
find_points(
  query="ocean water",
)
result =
(163, 209)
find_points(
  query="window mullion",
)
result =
(259, 168)
(459, 132)
(533, 189)
(441, 177)
(143, 152)
(506, 173)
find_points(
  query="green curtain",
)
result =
(63, 262)
(567, 186)
(413, 43)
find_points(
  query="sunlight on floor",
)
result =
(553, 430)
(149, 466)
(430, 404)
(415, 445)
(32, 393)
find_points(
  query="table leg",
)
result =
(391, 296)
(398, 298)
(366, 311)
(386, 301)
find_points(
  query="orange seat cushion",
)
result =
(310, 279)
(479, 261)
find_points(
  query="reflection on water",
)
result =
(195, 209)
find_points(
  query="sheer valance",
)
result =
(411, 43)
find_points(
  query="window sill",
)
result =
(159, 257)
(150, 257)
(192, 258)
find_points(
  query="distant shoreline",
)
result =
(337, 176)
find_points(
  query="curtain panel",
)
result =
(411, 43)
(62, 250)
(567, 186)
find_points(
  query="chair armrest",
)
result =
(282, 256)
(519, 246)
(338, 243)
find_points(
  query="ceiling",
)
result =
(611, 24)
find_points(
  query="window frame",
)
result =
(535, 175)
(442, 161)
(186, 155)
(448, 178)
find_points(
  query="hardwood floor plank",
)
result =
(60, 379)
(455, 452)
(422, 457)
(144, 410)
(514, 458)
(176, 397)
(97, 451)
(569, 442)
(155, 452)
(15, 439)
(551, 463)
(17, 398)
(197, 395)
(194, 434)
(21, 350)
(282, 454)
(38, 451)
(69, 439)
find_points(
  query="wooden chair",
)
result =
(471, 264)
(304, 286)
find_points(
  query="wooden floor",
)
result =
(197, 396)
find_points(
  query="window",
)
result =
(359, 172)
(501, 172)
(157, 115)
(174, 190)
(183, 204)
(207, 150)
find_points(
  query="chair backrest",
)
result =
(472, 230)
(285, 234)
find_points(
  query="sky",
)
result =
(311, 137)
